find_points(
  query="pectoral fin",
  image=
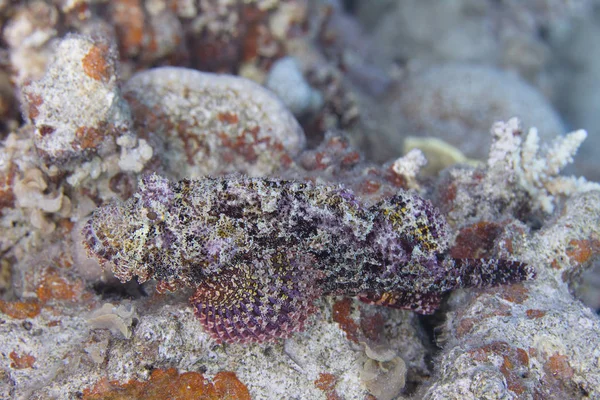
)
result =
(239, 305)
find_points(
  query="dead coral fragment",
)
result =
(259, 251)
(76, 106)
(384, 379)
(326, 382)
(409, 166)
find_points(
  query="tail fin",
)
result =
(486, 272)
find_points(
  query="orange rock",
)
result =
(169, 384)
(128, 18)
(372, 324)
(351, 159)
(370, 186)
(341, 315)
(65, 260)
(448, 195)
(7, 178)
(514, 361)
(33, 101)
(228, 117)
(476, 241)
(228, 386)
(464, 326)
(394, 178)
(326, 382)
(581, 251)
(558, 365)
(21, 362)
(533, 314)
(516, 293)
(95, 64)
(55, 287)
(89, 137)
(20, 309)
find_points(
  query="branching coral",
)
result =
(260, 251)
(409, 166)
(536, 169)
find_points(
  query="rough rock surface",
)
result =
(87, 133)
(518, 342)
(76, 108)
(221, 123)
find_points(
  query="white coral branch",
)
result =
(409, 166)
(537, 169)
(562, 151)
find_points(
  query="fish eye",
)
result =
(152, 215)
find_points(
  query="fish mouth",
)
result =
(101, 232)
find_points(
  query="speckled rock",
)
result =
(458, 103)
(166, 334)
(220, 123)
(146, 30)
(76, 108)
(519, 341)
(29, 32)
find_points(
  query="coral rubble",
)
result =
(294, 166)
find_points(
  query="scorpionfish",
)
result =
(259, 251)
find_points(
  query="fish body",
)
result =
(259, 251)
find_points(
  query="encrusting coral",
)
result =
(259, 251)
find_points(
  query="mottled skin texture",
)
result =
(259, 251)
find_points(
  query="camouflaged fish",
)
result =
(259, 251)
